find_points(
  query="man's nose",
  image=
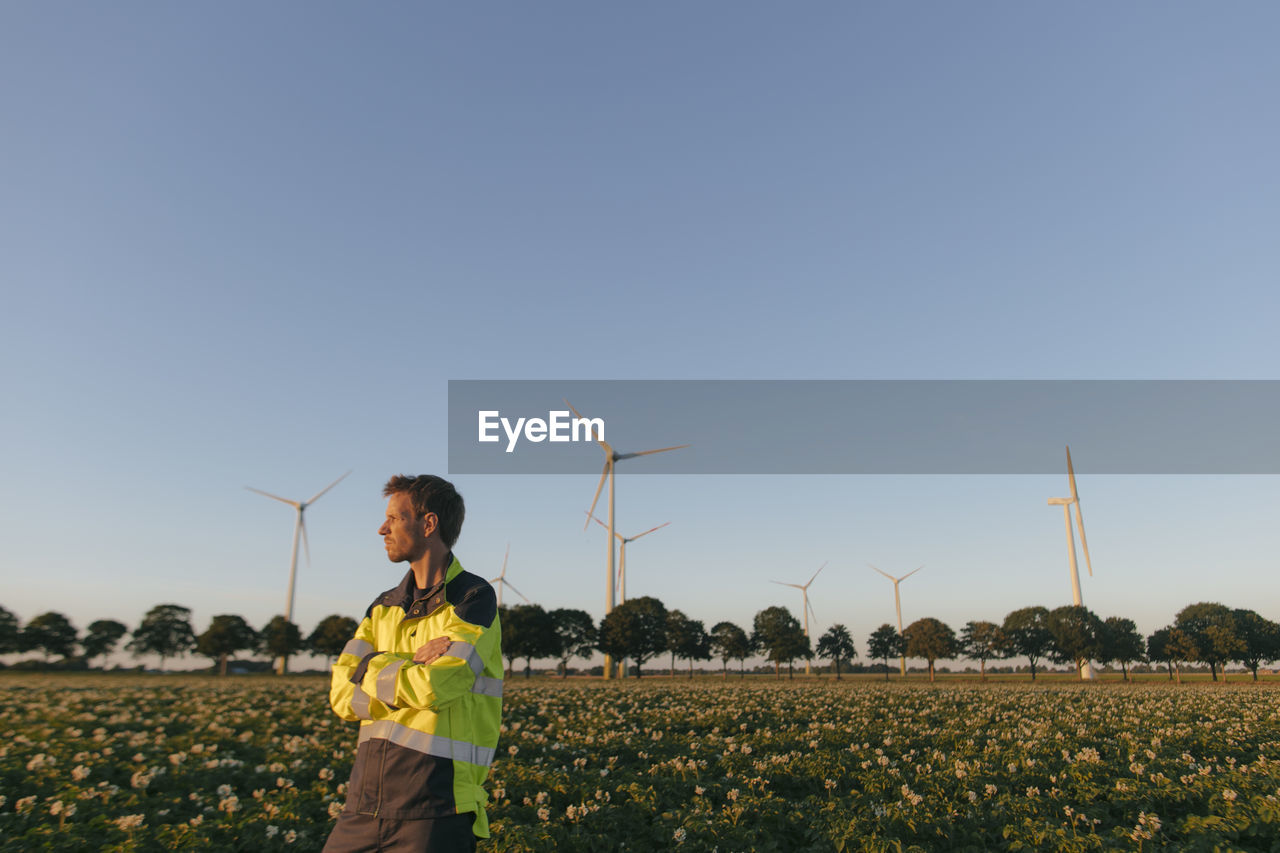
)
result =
(382, 531)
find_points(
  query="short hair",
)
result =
(430, 493)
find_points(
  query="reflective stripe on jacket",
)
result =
(428, 732)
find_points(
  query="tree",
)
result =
(527, 632)
(225, 636)
(730, 641)
(51, 633)
(1027, 632)
(1259, 637)
(885, 642)
(1181, 648)
(686, 639)
(1212, 628)
(1077, 633)
(983, 641)
(280, 638)
(930, 639)
(10, 634)
(1158, 648)
(332, 635)
(165, 631)
(780, 635)
(837, 645)
(636, 629)
(575, 635)
(1121, 642)
(101, 638)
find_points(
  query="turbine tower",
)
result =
(808, 608)
(299, 532)
(611, 458)
(501, 580)
(897, 602)
(1086, 671)
(622, 554)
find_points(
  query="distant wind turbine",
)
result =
(622, 554)
(611, 458)
(501, 580)
(1087, 670)
(299, 532)
(897, 602)
(808, 608)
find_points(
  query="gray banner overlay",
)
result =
(871, 426)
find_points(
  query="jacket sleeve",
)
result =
(473, 664)
(348, 700)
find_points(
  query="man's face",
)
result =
(405, 533)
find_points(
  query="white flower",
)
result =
(335, 809)
(1229, 795)
(130, 822)
(679, 835)
(224, 790)
(544, 813)
(272, 830)
(290, 837)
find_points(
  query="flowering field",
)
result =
(258, 764)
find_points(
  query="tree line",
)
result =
(166, 631)
(641, 629)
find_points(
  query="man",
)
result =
(424, 676)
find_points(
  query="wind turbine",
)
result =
(501, 580)
(808, 608)
(611, 458)
(299, 532)
(897, 602)
(622, 554)
(1087, 670)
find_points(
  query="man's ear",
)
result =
(430, 522)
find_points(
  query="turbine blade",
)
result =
(504, 560)
(647, 452)
(293, 504)
(594, 437)
(317, 495)
(780, 583)
(597, 521)
(1084, 543)
(647, 532)
(599, 486)
(815, 574)
(306, 546)
(811, 611)
(910, 573)
(886, 574)
(1071, 475)
(513, 589)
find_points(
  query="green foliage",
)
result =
(885, 642)
(636, 629)
(51, 633)
(686, 639)
(779, 634)
(1121, 642)
(527, 632)
(165, 631)
(280, 638)
(1259, 637)
(1027, 633)
(730, 641)
(225, 636)
(1212, 627)
(101, 638)
(930, 639)
(10, 633)
(1077, 635)
(575, 635)
(331, 635)
(983, 641)
(837, 645)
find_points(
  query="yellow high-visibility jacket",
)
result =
(428, 732)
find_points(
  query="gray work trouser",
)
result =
(360, 833)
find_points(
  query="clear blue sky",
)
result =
(249, 245)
